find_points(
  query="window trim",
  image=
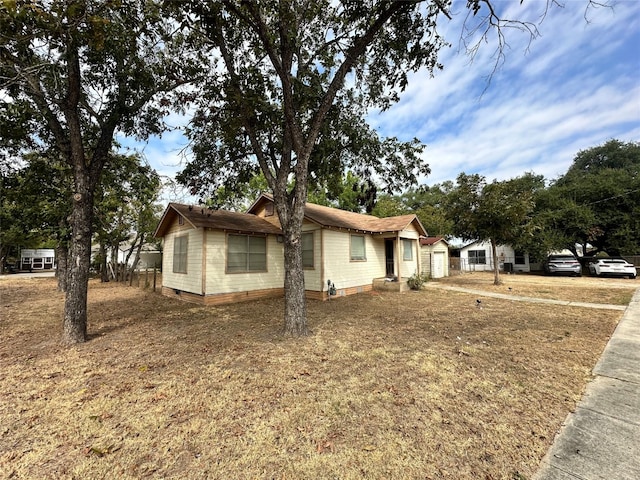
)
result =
(519, 256)
(313, 251)
(475, 259)
(407, 242)
(177, 254)
(248, 254)
(269, 210)
(364, 248)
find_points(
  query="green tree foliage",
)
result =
(428, 204)
(291, 83)
(499, 212)
(389, 206)
(71, 75)
(34, 204)
(425, 202)
(597, 202)
(347, 192)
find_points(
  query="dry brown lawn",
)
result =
(615, 291)
(421, 385)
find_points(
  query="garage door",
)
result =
(438, 265)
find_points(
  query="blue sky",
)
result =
(574, 87)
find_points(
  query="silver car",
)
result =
(563, 264)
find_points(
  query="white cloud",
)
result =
(574, 87)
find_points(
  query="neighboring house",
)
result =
(217, 256)
(434, 256)
(37, 259)
(150, 257)
(478, 256)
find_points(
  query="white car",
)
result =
(613, 267)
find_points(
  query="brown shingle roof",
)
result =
(336, 218)
(432, 240)
(333, 217)
(218, 219)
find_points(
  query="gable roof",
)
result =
(432, 240)
(218, 219)
(474, 242)
(335, 218)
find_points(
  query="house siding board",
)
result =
(358, 273)
(191, 281)
(207, 258)
(410, 232)
(408, 267)
(435, 259)
(218, 281)
(313, 280)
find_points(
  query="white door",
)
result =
(438, 265)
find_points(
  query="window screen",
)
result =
(180, 249)
(407, 250)
(246, 253)
(357, 248)
(307, 250)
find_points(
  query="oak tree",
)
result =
(290, 84)
(72, 75)
(596, 204)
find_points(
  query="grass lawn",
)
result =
(421, 385)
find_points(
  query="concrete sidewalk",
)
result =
(601, 439)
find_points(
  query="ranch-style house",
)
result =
(217, 256)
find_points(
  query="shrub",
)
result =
(416, 281)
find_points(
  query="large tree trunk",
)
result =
(62, 269)
(295, 304)
(74, 327)
(290, 208)
(496, 265)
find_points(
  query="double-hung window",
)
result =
(307, 250)
(477, 257)
(407, 250)
(358, 251)
(520, 260)
(180, 249)
(246, 253)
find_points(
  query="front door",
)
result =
(389, 256)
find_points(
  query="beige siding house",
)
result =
(217, 256)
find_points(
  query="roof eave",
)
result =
(163, 225)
